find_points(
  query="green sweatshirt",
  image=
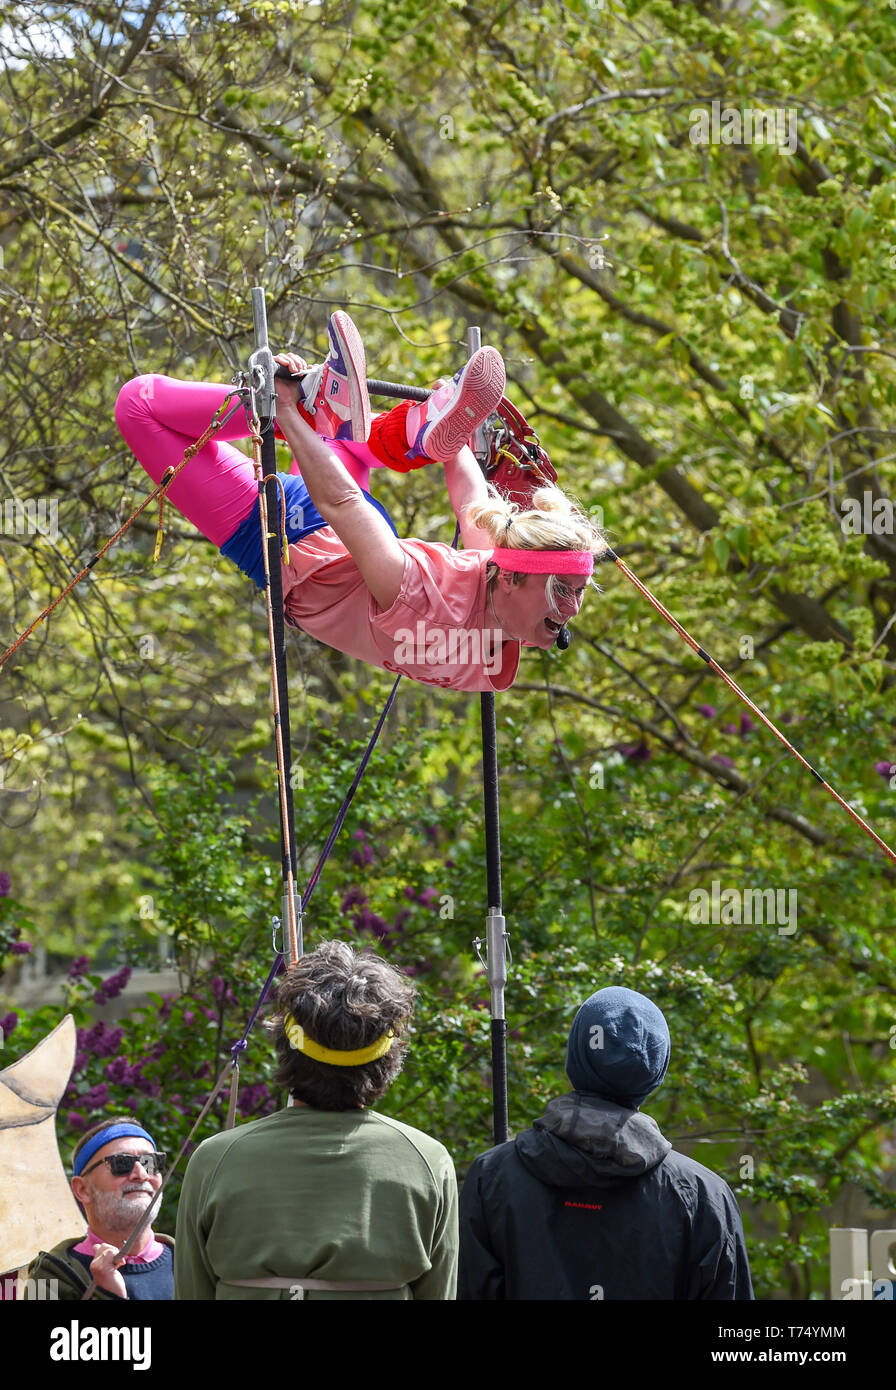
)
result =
(317, 1194)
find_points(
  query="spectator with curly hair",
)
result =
(326, 1198)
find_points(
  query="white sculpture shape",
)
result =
(37, 1209)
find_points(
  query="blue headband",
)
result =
(105, 1136)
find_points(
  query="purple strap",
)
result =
(243, 1043)
(343, 810)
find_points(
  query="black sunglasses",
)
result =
(122, 1164)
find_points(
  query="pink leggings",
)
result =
(159, 416)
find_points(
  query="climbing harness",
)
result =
(517, 461)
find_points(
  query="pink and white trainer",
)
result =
(443, 424)
(335, 393)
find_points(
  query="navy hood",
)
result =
(618, 1047)
(582, 1141)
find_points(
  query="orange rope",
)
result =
(167, 479)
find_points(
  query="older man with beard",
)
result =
(117, 1173)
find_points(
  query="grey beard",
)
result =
(119, 1211)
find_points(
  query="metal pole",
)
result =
(262, 369)
(495, 932)
(400, 390)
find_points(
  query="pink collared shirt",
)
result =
(150, 1251)
(438, 630)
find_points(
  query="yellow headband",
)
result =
(300, 1042)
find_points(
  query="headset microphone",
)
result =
(564, 637)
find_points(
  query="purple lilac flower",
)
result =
(429, 897)
(100, 1040)
(132, 1103)
(113, 1040)
(746, 724)
(79, 967)
(76, 1120)
(372, 922)
(119, 1071)
(20, 948)
(722, 760)
(708, 711)
(165, 1006)
(636, 752)
(400, 918)
(81, 1059)
(189, 1017)
(362, 857)
(252, 1096)
(355, 897)
(432, 834)
(885, 770)
(730, 728)
(449, 863)
(96, 1097)
(8, 1024)
(5, 885)
(112, 987)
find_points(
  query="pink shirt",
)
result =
(152, 1251)
(440, 629)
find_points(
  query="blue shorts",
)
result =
(302, 519)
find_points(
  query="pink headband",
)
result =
(545, 561)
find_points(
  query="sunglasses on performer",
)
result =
(122, 1164)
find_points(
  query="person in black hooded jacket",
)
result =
(592, 1202)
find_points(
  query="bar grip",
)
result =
(396, 389)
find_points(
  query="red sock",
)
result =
(388, 440)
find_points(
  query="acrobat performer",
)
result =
(452, 618)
